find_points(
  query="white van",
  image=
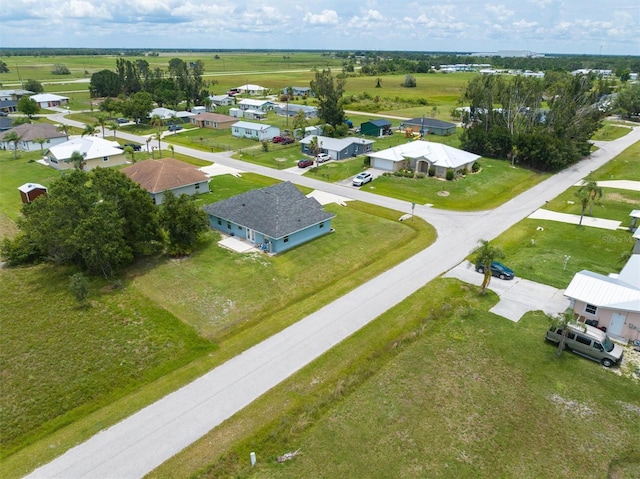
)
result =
(589, 342)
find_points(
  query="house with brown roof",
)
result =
(30, 135)
(167, 174)
(213, 120)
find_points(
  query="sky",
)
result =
(541, 26)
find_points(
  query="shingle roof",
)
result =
(429, 123)
(274, 211)
(33, 131)
(215, 117)
(164, 174)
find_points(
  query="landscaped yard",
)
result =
(496, 183)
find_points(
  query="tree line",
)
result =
(181, 81)
(101, 221)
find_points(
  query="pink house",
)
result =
(611, 302)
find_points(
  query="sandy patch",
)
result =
(325, 198)
(217, 170)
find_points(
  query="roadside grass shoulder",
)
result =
(495, 184)
(610, 131)
(625, 166)
(615, 204)
(436, 385)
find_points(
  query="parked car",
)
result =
(305, 162)
(175, 127)
(134, 146)
(287, 141)
(276, 139)
(589, 342)
(323, 157)
(362, 178)
(498, 270)
(3, 113)
(121, 121)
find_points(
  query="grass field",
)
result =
(435, 387)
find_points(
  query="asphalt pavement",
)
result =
(138, 444)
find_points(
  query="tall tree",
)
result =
(102, 121)
(89, 130)
(485, 254)
(78, 160)
(63, 128)
(105, 83)
(563, 320)
(183, 223)
(33, 85)
(41, 141)
(328, 91)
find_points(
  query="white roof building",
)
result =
(96, 152)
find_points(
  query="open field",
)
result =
(435, 387)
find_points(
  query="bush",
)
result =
(463, 172)
(476, 167)
(420, 175)
(450, 174)
(432, 171)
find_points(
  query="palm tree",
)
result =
(113, 126)
(588, 194)
(172, 149)
(89, 130)
(484, 255)
(129, 150)
(14, 138)
(41, 141)
(158, 136)
(563, 320)
(156, 122)
(78, 160)
(102, 121)
(314, 146)
(64, 129)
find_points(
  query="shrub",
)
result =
(420, 175)
(463, 172)
(432, 171)
(450, 174)
(475, 167)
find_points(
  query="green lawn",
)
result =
(616, 204)
(625, 167)
(610, 131)
(496, 183)
(435, 387)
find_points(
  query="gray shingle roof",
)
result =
(429, 123)
(274, 211)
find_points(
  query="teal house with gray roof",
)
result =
(276, 218)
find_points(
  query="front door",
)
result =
(615, 326)
(251, 235)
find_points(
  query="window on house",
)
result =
(591, 309)
(286, 239)
(321, 225)
(219, 221)
(228, 225)
(105, 158)
(197, 187)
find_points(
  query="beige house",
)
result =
(213, 120)
(167, 174)
(97, 152)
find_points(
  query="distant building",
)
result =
(31, 191)
(47, 100)
(97, 152)
(30, 135)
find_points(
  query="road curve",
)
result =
(140, 443)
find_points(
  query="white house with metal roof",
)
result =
(46, 100)
(611, 302)
(255, 131)
(337, 148)
(97, 152)
(258, 105)
(421, 155)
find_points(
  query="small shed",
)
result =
(376, 127)
(30, 191)
(236, 112)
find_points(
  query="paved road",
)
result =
(137, 445)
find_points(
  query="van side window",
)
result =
(583, 340)
(571, 336)
(598, 346)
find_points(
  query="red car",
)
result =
(287, 141)
(277, 139)
(304, 163)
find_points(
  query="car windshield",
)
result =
(607, 344)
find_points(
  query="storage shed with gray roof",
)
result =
(276, 218)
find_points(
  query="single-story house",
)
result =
(379, 127)
(196, 110)
(97, 153)
(338, 148)
(298, 91)
(258, 105)
(163, 113)
(167, 174)
(254, 114)
(255, 131)
(421, 155)
(213, 120)
(15, 94)
(291, 110)
(253, 90)
(30, 191)
(276, 218)
(9, 106)
(635, 215)
(222, 100)
(611, 302)
(429, 126)
(46, 100)
(30, 134)
(308, 131)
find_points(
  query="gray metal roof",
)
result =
(429, 123)
(274, 211)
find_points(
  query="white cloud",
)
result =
(499, 12)
(327, 17)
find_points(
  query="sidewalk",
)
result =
(542, 214)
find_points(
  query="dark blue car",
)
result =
(498, 270)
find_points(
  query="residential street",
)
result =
(143, 441)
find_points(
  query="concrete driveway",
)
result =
(517, 296)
